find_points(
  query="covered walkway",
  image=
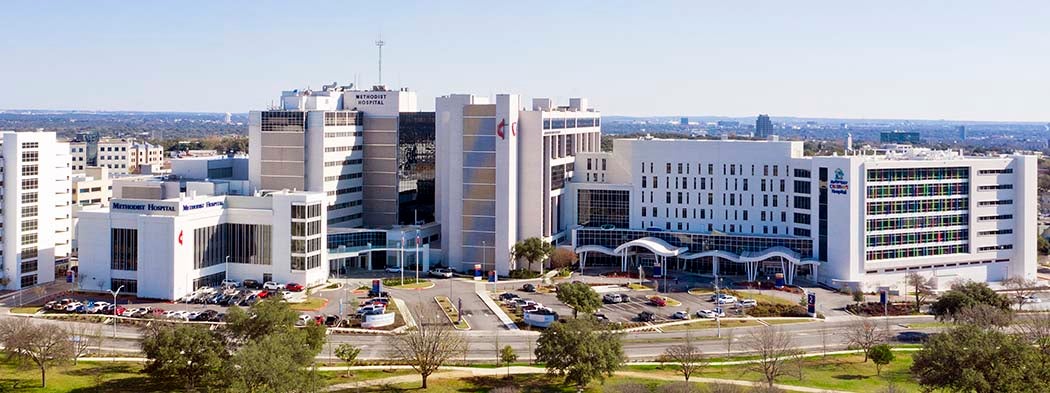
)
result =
(751, 260)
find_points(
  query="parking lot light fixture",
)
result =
(115, 293)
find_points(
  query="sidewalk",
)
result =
(491, 304)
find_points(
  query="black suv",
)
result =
(646, 316)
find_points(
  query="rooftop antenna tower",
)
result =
(379, 44)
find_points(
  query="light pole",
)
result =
(417, 255)
(115, 293)
(401, 258)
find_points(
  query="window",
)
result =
(30, 156)
(28, 281)
(28, 239)
(29, 184)
(995, 171)
(29, 225)
(129, 286)
(30, 170)
(124, 249)
(30, 145)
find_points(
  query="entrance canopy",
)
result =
(656, 245)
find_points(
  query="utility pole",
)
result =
(115, 309)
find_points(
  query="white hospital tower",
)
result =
(340, 178)
(748, 208)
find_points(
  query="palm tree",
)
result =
(532, 250)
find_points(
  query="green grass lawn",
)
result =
(639, 287)
(24, 310)
(785, 321)
(928, 325)
(311, 304)
(836, 372)
(451, 312)
(763, 298)
(84, 377)
(422, 284)
(710, 324)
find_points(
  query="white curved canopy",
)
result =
(656, 245)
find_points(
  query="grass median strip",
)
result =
(711, 324)
(451, 313)
(311, 304)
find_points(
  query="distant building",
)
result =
(763, 126)
(962, 132)
(120, 156)
(728, 123)
(684, 121)
(899, 137)
(228, 119)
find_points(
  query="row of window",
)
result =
(997, 247)
(906, 174)
(336, 220)
(996, 218)
(572, 122)
(727, 199)
(356, 161)
(996, 187)
(996, 203)
(891, 239)
(918, 190)
(876, 255)
(129, 286)
(306, 211)
(995, 171)
(884, 224)
(996, 232)
(344, 205)
(342, 118)
(343, 134)
(342, 191)
(345, 176)
(306, 263)
(331, 149)
(925, 206)
(311, 228)
(727, 169)
(124, 249)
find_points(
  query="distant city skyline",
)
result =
(970, 61)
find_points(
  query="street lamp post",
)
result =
(115, 293)
(401, 259)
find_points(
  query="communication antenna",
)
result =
(379, 44)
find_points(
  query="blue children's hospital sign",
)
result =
(839, 185)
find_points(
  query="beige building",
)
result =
(120, 156)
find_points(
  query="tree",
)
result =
(563, 257)
(1035, 330)
(920, 286)
(984, 316)
(967, 294)
(967, 358)
(579, 296)
(281, 362)
(858, 296)
(265, 317)
(892, 388)
(1022, 288)
(43, 344)
(507, 356)
(881, 355)
(1042, 244)
(824, 342)
(686, 356)
(347, 353)
(427, 347)
(864, 334)
(185, 354)
(532, 250)
(774, 347)
(83, 339)
(581, 350)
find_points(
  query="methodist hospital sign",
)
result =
(167, 208)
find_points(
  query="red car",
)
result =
(263, 294)
(658, 301)
(294, 287)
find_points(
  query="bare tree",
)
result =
(84, 337)
(864, 334)
(1035, 328)
(984, 316)
(729, 341)
(921, 287)
(1022, 288)
(687, 356)
(774, 347)
(824, 342)
(44, 345)
(427, 347)
(678, 387)
(800, 363)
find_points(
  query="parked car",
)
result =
(393, 269)
(331, 320)
(722, 298)
(230, 284)
(528, 288)
(601, 317)
(303, 320)
(507, 296)
(372, 293)
(624, 298)
(710, 314)
(746, 303)
(912, 337)
(646, 316)
(294, 287)
(611, 298)
(441, 273)
(206, 315)
(252, 284)
(658, 301)
(1031, 299)
(680, 315)
(271, 285)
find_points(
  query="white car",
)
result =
(725, 299)
(272, 286)
(71, 307)
(192, 315)
(303, 320)
(393, 269)
(97, 307)
(709, 314)
(680, 315)
(746, 303)
(1031, 299)
(230, 284)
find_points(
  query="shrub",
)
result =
(519, 274)
(778, 310)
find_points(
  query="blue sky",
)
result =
(962, 60)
